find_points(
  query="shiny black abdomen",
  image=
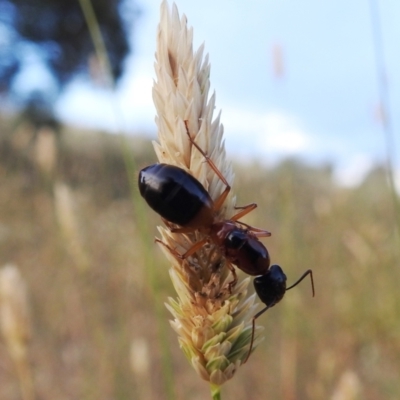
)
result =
(173, 193)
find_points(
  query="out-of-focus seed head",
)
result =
(14, 311)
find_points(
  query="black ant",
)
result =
(179, 198)
(271, 288)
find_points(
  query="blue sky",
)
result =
(322, 107)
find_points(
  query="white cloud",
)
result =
(265, 133)
(354, 170)
(283, 133)
(135, 96)
(129, 108)
(86, 105)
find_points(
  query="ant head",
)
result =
(271, 287)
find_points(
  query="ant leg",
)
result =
(253, 330)
(255, 231)
(260, 233)
(175, 229)
(171, 250)
(221, 199)
(192, 250)
(168, 224)
(233, 282)
(182, 230)
(245, 210)
(308, 272)
(188, 253)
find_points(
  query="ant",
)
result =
(179, 198)
(271, 288)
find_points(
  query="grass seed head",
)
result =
(213, 323)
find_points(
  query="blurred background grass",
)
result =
(73, 231)
(71, 220)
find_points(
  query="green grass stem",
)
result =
(138, 204)
(215, 392)
(384, 99)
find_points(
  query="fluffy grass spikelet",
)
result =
(213, 324)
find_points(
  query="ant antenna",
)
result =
(308, 272)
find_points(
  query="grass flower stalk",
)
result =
(105, 67)
(213, 322)
(65, 210)
(15, 325)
